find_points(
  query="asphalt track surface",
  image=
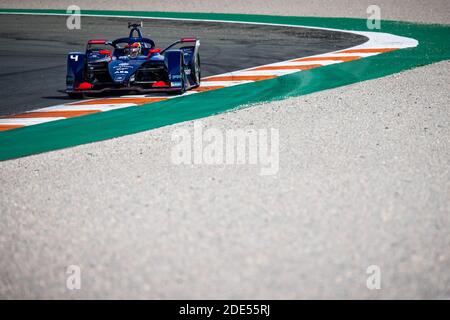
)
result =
(33, 50)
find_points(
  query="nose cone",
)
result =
(121, 70)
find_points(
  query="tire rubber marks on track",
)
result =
(259, 73)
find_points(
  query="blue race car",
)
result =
(133, 64)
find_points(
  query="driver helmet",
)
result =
(135, 50)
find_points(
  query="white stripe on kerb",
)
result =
(28, 121)
(87, 107)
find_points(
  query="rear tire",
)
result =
(183, 86)
(197, 71)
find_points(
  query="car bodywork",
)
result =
(108, 66)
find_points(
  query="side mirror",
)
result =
(153, 51)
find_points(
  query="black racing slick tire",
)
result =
(183, 86)
(197, 71)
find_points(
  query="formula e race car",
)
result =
(133, 64)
